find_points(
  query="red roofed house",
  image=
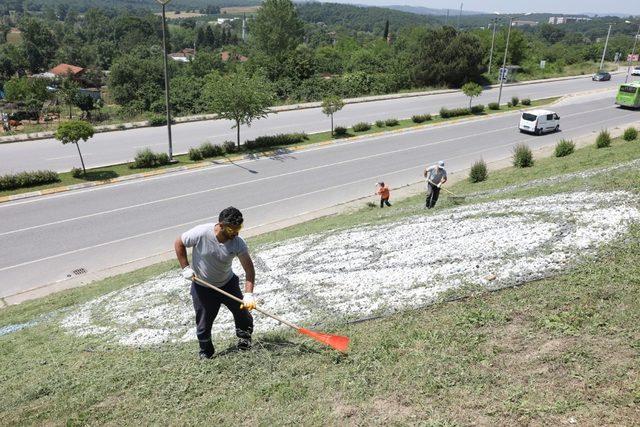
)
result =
(225, 56)
(63, 70)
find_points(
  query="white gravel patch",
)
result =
(378, 269)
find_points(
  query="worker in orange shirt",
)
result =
(384, 193)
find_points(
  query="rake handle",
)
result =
(431, 182)
(227, 294)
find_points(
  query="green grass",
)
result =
(114, 171)
(565, 347)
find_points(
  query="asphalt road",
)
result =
(44, 239)
(119, 147)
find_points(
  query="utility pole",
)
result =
(633, 52)
(166, 75)
(244, 27)
(493, 39)
(459, 16)
(446, 21)
(504, 61)
(604, 52)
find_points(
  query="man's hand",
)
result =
(440, 185)
(248, 302)
(187, 273)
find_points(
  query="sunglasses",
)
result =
(230, 229)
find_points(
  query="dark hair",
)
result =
(231, 216)
(381, 184)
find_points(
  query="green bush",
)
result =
(630, 134)
(494, 106)
(509, 104)
(148, 159)
(195, 154)
(477, 109)
(208, 150)
(522, 156)
(420, 118)
(229, 147)
(515, 101)
(77, 172)
(526, 101)
(340, 131)
(380, 123)
(275, 140)
(478, 172)
(361, 127)
(446, 113)
(604, 139)
(157, 120)
(27, 179)
(391, 122)
(564, 147)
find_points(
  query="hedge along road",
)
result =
(119, 147)
(44, 239)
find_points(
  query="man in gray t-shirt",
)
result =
(436, 176)
(214, 247)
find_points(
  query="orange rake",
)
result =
(337, 342)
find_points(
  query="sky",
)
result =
(631, 7)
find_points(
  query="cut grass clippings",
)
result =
(123, 169)
(563, 350)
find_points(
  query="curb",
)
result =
(282, 108)
(237, 158)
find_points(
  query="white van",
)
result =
(539, 121)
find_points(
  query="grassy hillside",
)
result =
(563, 350)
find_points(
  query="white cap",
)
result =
(441, 163)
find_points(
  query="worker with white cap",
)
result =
(435, 176)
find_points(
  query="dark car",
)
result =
(601, 76)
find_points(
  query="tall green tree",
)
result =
(386, 30)
(276, 28)
(238, 97)
(72, 132)
(330, 106)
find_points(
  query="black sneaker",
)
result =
(244, 344)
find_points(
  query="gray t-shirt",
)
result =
(436, 174)
(211, 260)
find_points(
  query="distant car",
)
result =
(601, 76)
(635, 71)
(539, 121)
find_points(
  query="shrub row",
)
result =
(421, 118)
(148, 159)
(274, 140)
(446, 113)
(27, 179)
(361, 127)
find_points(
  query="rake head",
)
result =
(337, 342)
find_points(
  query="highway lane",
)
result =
(117, 147)
(44, 239)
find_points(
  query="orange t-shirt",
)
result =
(383, 192)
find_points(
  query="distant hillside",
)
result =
(82, 5)
(429, 11)
(361, 18)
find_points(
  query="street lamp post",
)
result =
(633, 52)
(166, 74)
(493, 39)
(504, 61)
(606, 43)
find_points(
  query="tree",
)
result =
(472, 90)
(276, 31)
(73, 131)
(68, 93)
(331, 105)
(238, 97)
(386, 30)
(86, 103)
